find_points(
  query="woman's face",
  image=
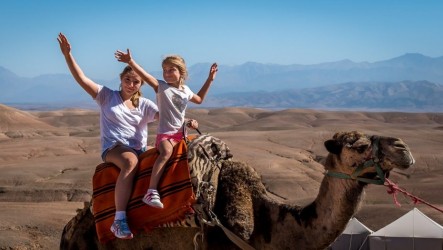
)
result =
(131, 83)
(171, 74)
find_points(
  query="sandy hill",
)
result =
(15, 120)
(259, 119)
(69, 117)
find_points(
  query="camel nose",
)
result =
(400, 145)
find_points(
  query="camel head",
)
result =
(364, 157)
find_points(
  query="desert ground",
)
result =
(47, 159)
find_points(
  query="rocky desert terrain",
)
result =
(47, 159)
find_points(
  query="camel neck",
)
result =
(337, 201)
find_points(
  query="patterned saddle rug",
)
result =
(175, 189)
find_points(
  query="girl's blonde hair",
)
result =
(136, 96)
(178, 62)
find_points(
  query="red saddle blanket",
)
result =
(174, 187)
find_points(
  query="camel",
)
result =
(243, 205)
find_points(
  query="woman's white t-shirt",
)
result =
(121, 125)
(172, 103)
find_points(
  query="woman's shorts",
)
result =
(136, 151)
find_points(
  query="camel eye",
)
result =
(361, 149)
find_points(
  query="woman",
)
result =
(124, 118)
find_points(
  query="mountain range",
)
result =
(410, 96)
(411, 82)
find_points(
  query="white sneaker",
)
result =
(152, 198)
(121, 230)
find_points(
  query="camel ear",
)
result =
(333, 146)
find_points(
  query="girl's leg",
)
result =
(165, 149)
(126, 159)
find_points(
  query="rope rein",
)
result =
(394, 189)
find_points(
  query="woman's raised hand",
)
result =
(213, 71)
(122, 56)
(65, 47)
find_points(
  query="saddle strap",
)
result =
(234, 238)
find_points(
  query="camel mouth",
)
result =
(404, 162)
(411, 160)
(405, 166)
(406, 159)
(375, 176)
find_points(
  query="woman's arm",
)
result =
(200, 96)
(127, 58)
(87, 84)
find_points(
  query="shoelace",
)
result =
(125, 227)
(153, 195)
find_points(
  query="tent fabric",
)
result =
(412, 231)
(412, 224)
(356, 227)
(403, 243)
(354, 237)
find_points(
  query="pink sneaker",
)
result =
(152, 198)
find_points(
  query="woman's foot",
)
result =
(121, 230)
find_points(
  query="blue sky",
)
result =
(227, 32)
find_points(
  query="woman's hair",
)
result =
(178, 62)
(135, 97)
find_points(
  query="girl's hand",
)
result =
(122, 56)
(65, 47)
(213, 72)
(191, 123)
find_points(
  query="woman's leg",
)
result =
(126, 159)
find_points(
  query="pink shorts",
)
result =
(177, 137)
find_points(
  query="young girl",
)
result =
(172, 99)
(124, 118)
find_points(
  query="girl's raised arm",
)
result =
(87, 84)
(200, 96)
(127, 58)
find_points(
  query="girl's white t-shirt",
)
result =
(172, 103)
(121, 125)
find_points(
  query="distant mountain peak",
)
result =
(411, 57)
(6, 73)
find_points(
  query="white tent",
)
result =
(354, 237)
(412, 231)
